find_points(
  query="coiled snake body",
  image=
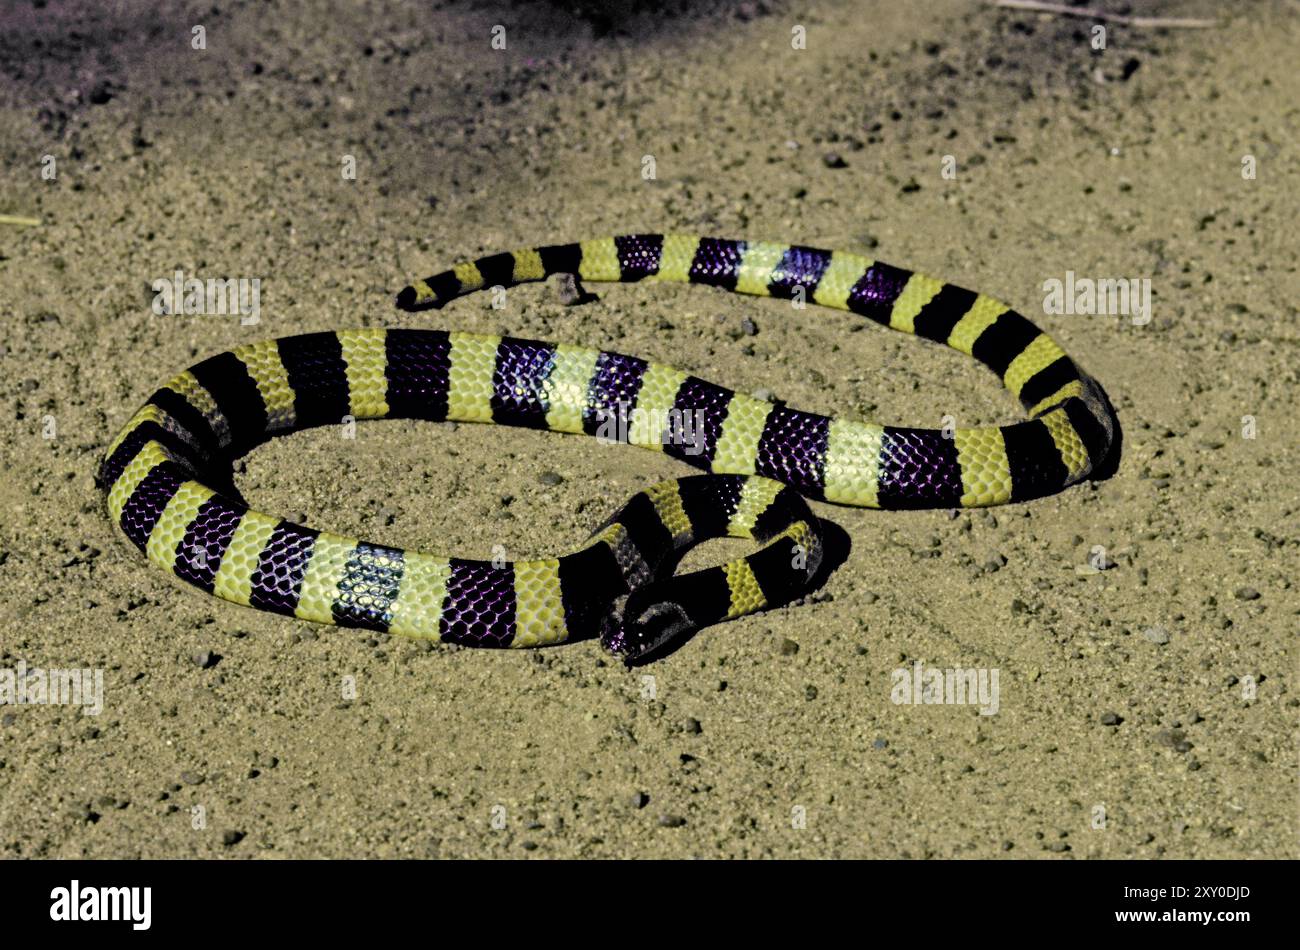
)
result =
(765, 458)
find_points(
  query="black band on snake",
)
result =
(764, 458)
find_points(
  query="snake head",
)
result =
(643, 625)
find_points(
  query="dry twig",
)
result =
(1139, 21)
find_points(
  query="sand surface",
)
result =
(771, 736)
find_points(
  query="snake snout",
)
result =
(643, 625)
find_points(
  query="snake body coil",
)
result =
(765, 458)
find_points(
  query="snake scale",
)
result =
(765, 458)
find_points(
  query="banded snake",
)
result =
(765, 458)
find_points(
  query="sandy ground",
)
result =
(772, 736)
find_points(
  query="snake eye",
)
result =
(643, 625)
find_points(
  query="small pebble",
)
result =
(1157, 635)
(550, 479)
(671, 821)
(192, 778)
(834, 160)
(1247, 593)
(231, 838)
(1111, 719)
(789, 647)
(568, 291)
(1174, 739)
